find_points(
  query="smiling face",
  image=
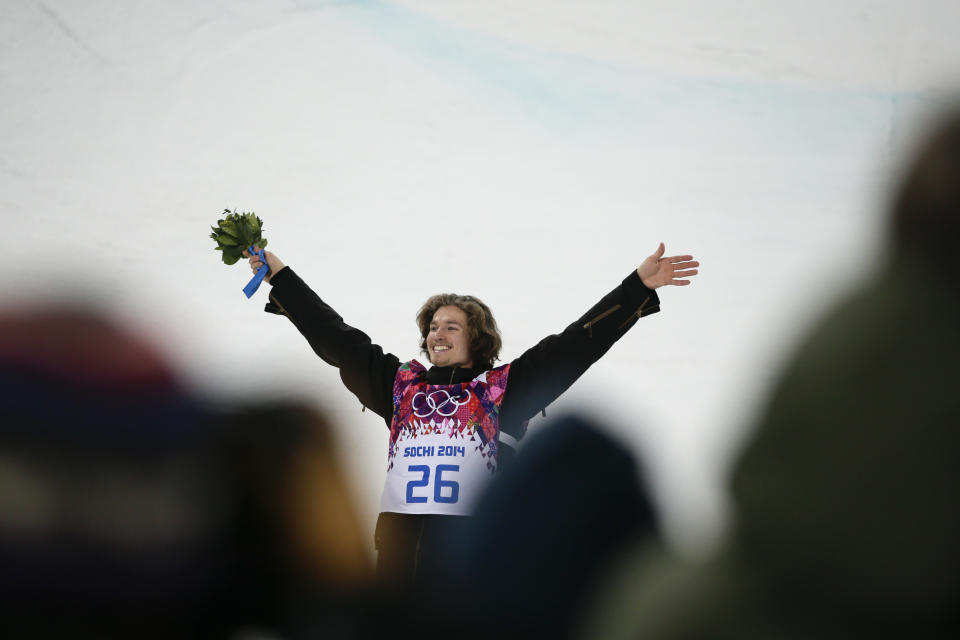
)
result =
(448, 341)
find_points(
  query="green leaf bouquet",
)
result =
(236, 232)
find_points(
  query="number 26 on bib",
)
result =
(446, 490)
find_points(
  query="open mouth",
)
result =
(438, 348)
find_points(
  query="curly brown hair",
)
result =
(485, 341)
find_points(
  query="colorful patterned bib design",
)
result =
(443, 441)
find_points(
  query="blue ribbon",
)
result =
(258, 277)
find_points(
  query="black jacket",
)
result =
(537, 377)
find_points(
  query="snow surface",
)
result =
(530, 153)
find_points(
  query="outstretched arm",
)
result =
(547, 369)
(364, 368)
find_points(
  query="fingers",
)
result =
(255, 261)
(677, 269)
(659, 252)
(678, 278)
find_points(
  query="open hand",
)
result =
(658, 271)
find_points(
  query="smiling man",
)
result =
(447, 341)
(454, 423)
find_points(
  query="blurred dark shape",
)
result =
(847, 521)
(129, 508)
(541, 537)
(300, 564)
(925, 217)
(399, 537)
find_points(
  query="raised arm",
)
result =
(546, 370)
(365, 369)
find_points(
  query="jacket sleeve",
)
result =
(365, 369)
(546, 370)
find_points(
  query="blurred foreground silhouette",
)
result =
(846, 516)
(128, 508)
(541, 538)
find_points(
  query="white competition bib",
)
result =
(443, 442)
(436, 473)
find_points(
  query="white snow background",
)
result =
(530, 153)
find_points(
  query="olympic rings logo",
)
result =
(447, 407)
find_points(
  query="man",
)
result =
(452, 424)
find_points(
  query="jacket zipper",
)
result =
(635, 314)
(589, 325)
